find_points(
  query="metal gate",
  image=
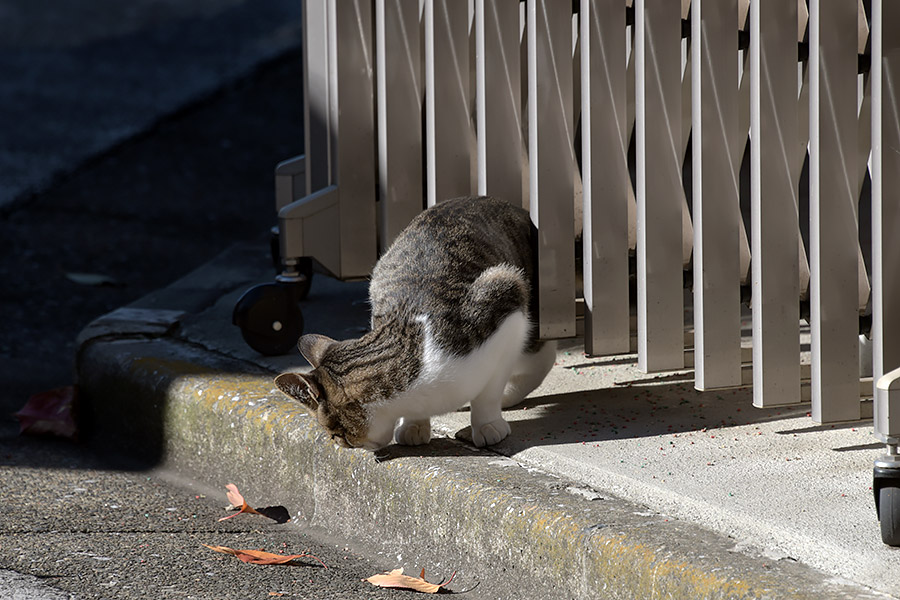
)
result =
(678, 139)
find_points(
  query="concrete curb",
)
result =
(519, 532)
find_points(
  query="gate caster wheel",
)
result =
(889, 515)
(270, 318)
(886, 487)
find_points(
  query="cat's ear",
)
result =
(301, 387)
(313, 347)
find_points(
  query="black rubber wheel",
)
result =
(270, 318)
(889, 514)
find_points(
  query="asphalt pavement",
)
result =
(78, 525)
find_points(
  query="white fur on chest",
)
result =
(447, 383)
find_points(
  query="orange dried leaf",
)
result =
(396, 579)
(259, 557)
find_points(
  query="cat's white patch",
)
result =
(528, 373)
(448, 382)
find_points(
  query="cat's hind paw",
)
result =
(413, 433)
(490, 433)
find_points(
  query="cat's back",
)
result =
(451, 244)
(429, 271)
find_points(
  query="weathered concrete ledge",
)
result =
(518, 532)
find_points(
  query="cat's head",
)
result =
(325, 396)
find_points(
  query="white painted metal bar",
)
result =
(717, 147)
(629, 129)
(885, 207)
(798, 156)
(687, 226)
(833, 231)
(447, 103)
(399, 104)
(550, 140)
(774, 227)
(659, 190)
(498, 99)
(744, 127)
(864, 144)
(605, 177)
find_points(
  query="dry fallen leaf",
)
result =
(51, 412)
(276, 513)
(237, 502)
(259, 557)
(396, 579)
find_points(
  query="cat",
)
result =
(452, 323)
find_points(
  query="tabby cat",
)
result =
(452, 324)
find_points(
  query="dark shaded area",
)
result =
(142, 215)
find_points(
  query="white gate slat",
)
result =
(550, 140)
(744, 128)
(605, 177)
(800, 151)
(399, 104)
(718, 146)
(774, 228)
(687, 226)
(629, 129)
(447, 104)
(659, 190)
(497, 99)
(885, 202)
(833, 232)
(864, 143)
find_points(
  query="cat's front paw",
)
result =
(413, 433)
(490, 433)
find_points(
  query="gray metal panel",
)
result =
(498, 99)
(400, 90)
(308, 227)
(605, 177)
(833, 232)
(355, 146)
(659, 191)
(717, 152)
(447, 103)
(774, 221)
(885, 203)
(290, 181)
(340, 139)
(550, 143)
(319, 88)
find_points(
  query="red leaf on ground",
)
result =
(396, 579)
(259, 557)
(51, 412)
